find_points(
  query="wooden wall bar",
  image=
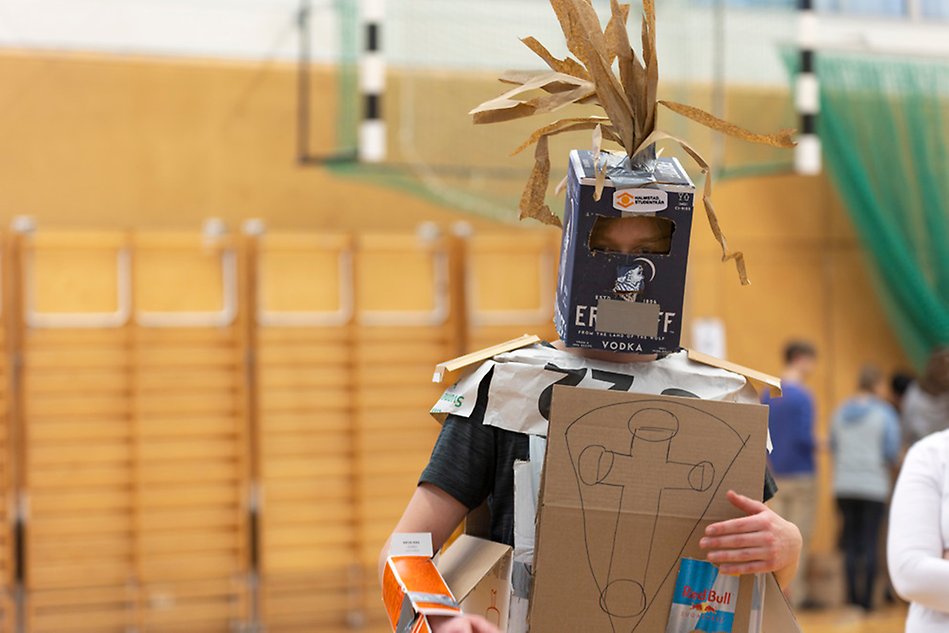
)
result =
(304, 429)
(76, 419)
(133, 416)
(9, 463)
(191, 445)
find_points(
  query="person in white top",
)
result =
(918, 544)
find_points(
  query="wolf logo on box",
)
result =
(630, 283)
(506, 401)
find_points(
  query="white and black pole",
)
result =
(372, 81)
(807, 157)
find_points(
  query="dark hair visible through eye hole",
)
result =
(632, 235)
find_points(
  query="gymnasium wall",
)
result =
(178, 410)
(94, 141)
(113, 143)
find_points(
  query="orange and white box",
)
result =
(421, 625)
(412, 586)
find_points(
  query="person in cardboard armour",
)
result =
(473, 459)
(618, 314)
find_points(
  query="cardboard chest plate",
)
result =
(630, 483)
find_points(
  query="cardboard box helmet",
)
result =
(608, 298)
(623, 257)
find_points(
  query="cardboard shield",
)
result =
(630, 483)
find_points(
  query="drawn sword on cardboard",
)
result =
(638, 485)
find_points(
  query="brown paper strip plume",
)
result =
(629, 101)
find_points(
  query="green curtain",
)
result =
(884, 134)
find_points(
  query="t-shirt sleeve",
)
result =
(463, 459)
(770, 485)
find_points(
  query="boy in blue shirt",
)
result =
(791, 422)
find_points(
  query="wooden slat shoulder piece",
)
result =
(759, 378)
(482, 355)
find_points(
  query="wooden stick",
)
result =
(481, 355)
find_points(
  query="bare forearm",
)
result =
(434, 511)
(430, 510)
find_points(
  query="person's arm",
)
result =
(429, 510)
(807, 440)
(915, 551)
(914, 416)
(433, 510)
(459, 477)
(833, 434)
(760, 542)
(891, 437)
(462, 624)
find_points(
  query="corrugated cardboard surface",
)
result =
(478, 572)
(778, 614)
(468, 561)
(630, 483)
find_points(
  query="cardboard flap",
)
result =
(468, 561)
(758, 378)
(481, 355)
(778, 615)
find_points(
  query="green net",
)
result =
(884, 134)
(347, 69)
(327, 87)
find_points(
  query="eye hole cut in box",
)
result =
(632, 235)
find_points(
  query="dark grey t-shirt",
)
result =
(474, 463)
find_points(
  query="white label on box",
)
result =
(640, 200)
(411, 544)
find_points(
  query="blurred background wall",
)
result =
(186, 408)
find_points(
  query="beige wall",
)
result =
(104, 142)
(109, 142)
(809, 280)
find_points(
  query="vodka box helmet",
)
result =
(623, 258)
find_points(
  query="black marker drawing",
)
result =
(638, 484)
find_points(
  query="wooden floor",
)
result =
(888, 620)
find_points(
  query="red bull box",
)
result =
(704, 600)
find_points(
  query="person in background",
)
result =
(926, 403)
(900, 382)
(865, 440)
(918, 544)
(791, 422)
